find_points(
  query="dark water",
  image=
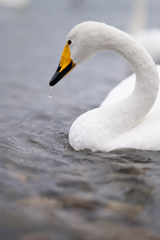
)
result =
(48, 190)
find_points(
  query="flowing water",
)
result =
(48, 190)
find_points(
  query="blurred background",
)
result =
(49, 191)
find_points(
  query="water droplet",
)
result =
(50, 95)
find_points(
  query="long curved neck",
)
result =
(137, 105)
(139, 16)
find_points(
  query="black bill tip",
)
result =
(59, 75)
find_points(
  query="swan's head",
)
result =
(81, 44)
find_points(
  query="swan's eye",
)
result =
(69, 42)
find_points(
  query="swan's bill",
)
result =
(65, 66)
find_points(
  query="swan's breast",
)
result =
(89, 131)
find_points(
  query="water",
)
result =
(50, 95)
(48, 190)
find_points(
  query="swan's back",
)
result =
(143, 135)
(123, 90)
(150, 39)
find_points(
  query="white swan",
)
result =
(148, 37)
(14, 3)
(121, 121)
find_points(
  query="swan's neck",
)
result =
(139, 16)
(131, 110)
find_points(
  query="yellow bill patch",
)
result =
(66, 58)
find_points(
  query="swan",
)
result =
(148, 37)
(122, 121)
(14, 3)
